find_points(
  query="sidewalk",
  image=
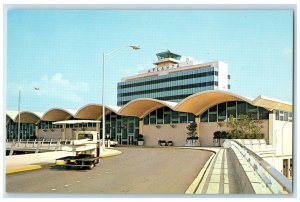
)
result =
(13, 167)
(226, 173)
(216, 179)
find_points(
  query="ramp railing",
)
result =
(273, 179)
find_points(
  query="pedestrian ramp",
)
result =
(229, 172)
(216, 178)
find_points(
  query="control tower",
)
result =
(167, 58)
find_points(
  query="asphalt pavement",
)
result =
(137, 170)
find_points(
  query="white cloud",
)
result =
(183, 58)
(56, 87)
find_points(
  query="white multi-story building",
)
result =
(173, 80)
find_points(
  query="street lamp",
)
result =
(19, 115)
(105, 58)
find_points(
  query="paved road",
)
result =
(136, 171)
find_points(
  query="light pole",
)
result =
(19, 118)
(19, 115)
(104, 59)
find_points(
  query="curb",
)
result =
(28, 168)
(109, 155)
(195, 184)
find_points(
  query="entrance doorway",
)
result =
(285, 167)
(291, 168)
(130, 139)
(119, 139)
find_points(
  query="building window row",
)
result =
(165, 115)
(162, 80)
(283, 116)
(121, 128)
(173, 97)
(27, 130)
(223, 111)
(48, 125)
(181, 87)
(81, 125)
(165, 98)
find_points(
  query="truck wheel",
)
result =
(91, 166)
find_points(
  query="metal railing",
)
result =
(37, 145)
(272, 178)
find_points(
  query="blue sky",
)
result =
(60, 51)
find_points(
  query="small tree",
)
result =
(192, 127)
(217, 137)
(244, 127)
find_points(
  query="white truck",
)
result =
(85, 151)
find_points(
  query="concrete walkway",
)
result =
(18, 163)
(216, 179)
(220, 177)
(229, 173)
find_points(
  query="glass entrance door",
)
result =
(130, 139)
(119, 139)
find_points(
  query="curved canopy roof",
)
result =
(142, 106)
(270, 103)
(94, 111)
(58, 114)
(25, 116)
(200, 102)
(196, 104)
(29, 117)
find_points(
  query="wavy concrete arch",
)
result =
(200, 102)
(58, 114)
(29, 117)
(271, 103)
(94, 111)
(142, 106)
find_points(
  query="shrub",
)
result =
(170, 143)
(244, 127)
(140, 137)
(160, 142)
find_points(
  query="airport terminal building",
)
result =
(191, 92)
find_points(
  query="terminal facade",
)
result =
(158, 119)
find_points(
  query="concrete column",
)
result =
(141, 124)
(64, 132)
(98, 127)
(197, 120)
(271, 138)
(36, 130)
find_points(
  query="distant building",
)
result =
(173, 80)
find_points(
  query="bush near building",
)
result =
(244, 127)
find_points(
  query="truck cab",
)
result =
(86, 137)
